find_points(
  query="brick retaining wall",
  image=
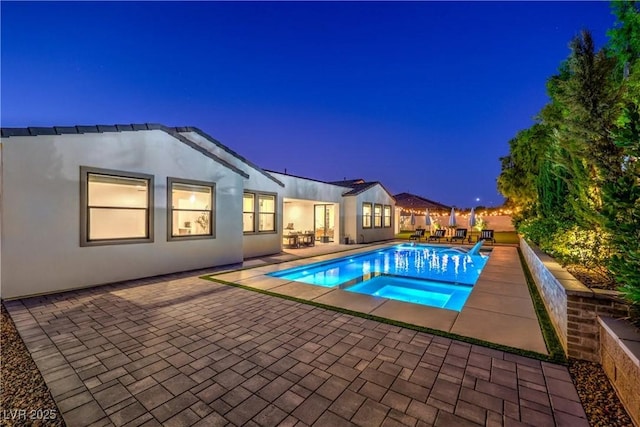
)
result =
(572, 307)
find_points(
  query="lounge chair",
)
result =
(461, 234)
(486, 235)
(439, 234)
(419, 233)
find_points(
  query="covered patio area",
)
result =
(310, 222)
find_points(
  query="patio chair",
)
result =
(417, 235)
(461, 234)
(486, 235)
(439, 234)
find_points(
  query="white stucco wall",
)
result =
(254, 244)
(374, 195)
(308, 189)
(352, 217)
(263, 243)
(41, 211)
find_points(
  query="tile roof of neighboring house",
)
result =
(64, 130)
(228, 150)
(408, 200)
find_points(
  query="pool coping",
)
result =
(499, 309)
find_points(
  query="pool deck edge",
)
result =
(507, 317)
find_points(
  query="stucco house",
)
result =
(88, 205)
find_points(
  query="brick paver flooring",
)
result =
(184, 351)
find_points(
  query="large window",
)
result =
(248, 213)
(387, 216)
(116, 207)
(258, 212)
(191, 210)
(366, 215)
(377, 216)
(266, 212)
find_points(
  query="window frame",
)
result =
(256, 212)
(212, 211)
(370, 216)
(85, 171)
(376, 217)
(253, 212)
(385, 209)
(275, 201)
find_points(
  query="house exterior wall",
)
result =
(263, 243)
(352, 219)
(254, 244)
(41, 249)
(374, 195)
(308, 189)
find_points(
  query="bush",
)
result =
(589, 248)
(567, 242)
(622, 213)
(540, 230)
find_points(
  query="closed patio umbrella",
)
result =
(427, 220)
(472, 221)
(413, 219)
(452, 220)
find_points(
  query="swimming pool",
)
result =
(422, 274)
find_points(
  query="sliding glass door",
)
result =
(324, 223)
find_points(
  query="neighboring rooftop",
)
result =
(413, 201)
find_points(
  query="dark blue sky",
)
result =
(422, 96)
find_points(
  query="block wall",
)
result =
(573, 308)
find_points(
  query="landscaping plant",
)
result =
(573, 178)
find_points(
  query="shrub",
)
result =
(567, 242)
(589, 248)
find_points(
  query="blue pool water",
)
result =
(434, 294)
(422, 274)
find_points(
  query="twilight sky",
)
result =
(422, 96)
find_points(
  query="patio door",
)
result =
(324, 223)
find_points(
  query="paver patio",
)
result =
(181, 351)
(499, 308)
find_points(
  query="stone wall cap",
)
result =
(574, 287)
(626, 334)
(563, 273)
(608, 294)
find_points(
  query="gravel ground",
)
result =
(22, 387)
(25, 399)
(598, 397)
